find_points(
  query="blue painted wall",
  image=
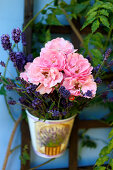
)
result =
(11, 16)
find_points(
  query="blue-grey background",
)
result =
(12, 16)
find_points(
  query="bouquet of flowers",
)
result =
(54, 86)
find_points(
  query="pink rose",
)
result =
(24, 74)
(72, 85)
(53, 58)
(78, 88)
(77, 66)
(34, 74)
(59, 44)
(42, 89)
(89, 85)
(52, 78)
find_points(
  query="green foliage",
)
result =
(95, 25)
(111, 163)
(95, 40)
(104, 21)
(97, 59)
(56, 2)
(105, 153)
(2, 90)
(99, 13)
(88, 142)
(52, 105)
(25, 156)
(100, 168)
(52, 19)
(100, 161)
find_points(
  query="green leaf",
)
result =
(86, 42)
(79, 7)
(100, 161)
(98, 35)
(100, 168)
(97, 43)
(52, 20)
(97, 59)
(110, 145)
(57, 11)
(73, 2)
(111, 133)
(92, 15)
(73, 16)
(44, 11)
(107, 5)
(56, 2)
(47, 35)
(88, 143)
(95, 26)
(111, 163)
(104, 20)
(95, 7)
(104, 151)
(104, 12)
(88, 22)
(51, 106)
(2, 90)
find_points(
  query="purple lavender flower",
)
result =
(64, 113)
(2, 63)
(95, 69)
(29, 58)
(36, 93)
(89, 58)
(12, 102)
(65, 93)
(104, 96)
(36, 103)
(5, 41)
(64, 103)
(23, 82)
(23, 39)
(16, 35)
(88, 93)
(107, 54)
(9, 87)
(31, 88)
(110, 63)
(12, 56)
(56, 113)
(22, 100)
(98, 80)
(20, 61)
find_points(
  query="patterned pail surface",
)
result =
(49, 138)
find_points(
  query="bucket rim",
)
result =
(51, 121)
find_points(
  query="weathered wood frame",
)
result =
(78, 124)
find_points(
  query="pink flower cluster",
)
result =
(59, 64)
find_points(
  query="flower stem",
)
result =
(8, 108)
(108, 37)
(6, 66)
(10, 142)
(12, 150)
(73, 26)
(42, 164)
